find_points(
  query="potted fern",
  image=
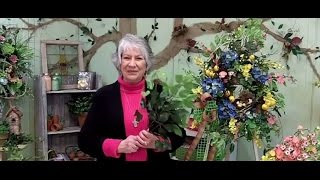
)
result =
(79, 107)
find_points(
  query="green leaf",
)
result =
(288, 35)
(280, 26)
(155, 38)
(152, 26)
(98, 19)
(164, 117)
(251, 125)
(85, 30)
(271, 47)
(272, 22)
(177, 130)
(179, 78)
(294, 51)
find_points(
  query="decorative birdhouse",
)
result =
(14, 118)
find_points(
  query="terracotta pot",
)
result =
(82, 118)
(56, 127)
(49, 123)
(55, 119)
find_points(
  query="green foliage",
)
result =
(79, 104)
(14, 64)
(4, 127)
(168, 104)
(15, 140)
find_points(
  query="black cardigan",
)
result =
(105, 120)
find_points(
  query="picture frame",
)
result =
(62, 57)
(51, 51)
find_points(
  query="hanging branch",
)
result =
(178, 42)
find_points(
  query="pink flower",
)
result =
(295, 139)
(2, 38)
(13, 58)
(279, 153)
(271, 120)
(223, 74)
(280, 79)
(296, 153)
(287, 139)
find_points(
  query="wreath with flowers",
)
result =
(14, 64)
(237, 94)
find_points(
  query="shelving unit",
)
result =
(54, 103)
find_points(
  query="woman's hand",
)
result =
(146, 139)
(129, 145)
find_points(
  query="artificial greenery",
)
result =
(20, 139)
(168, 104)
(15, 56)
(4, 127)
(79, 104)
(15, 144)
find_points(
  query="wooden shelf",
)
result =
(66, 130)
(71, 91)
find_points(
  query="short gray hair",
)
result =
(133, 41)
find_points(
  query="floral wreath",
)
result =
(235, 80)
(14, 64)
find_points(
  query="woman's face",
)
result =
(133, 65)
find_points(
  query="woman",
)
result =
(111, 131)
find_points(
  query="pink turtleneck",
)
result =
(131, 95)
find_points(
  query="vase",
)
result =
(82, 118)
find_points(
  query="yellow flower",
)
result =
(272, 153)
(197, 90)
(264, 158)
(194, 124)
(198, 61)
(232, 126)
(252, 57)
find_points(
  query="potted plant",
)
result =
(79, 107)
(4, 132)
